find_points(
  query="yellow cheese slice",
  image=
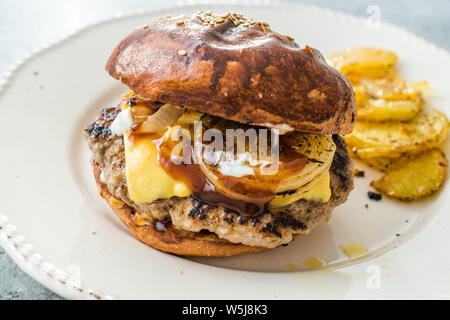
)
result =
(321, 192)
(147, 180)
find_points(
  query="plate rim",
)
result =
(13, 242)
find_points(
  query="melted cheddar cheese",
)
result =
(321, 192)
(147, 180)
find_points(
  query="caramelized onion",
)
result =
(165, 117)
(320, 152)
(219, 181)
(318, 149)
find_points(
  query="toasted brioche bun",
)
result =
(171, 240)
(248, 74)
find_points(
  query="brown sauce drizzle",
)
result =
(257, 191)
(202, 188)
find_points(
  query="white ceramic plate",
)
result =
(50, 209)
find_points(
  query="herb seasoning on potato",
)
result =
(394, 132)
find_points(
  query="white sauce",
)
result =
(122, 122)
(102, 177)
(282, 127)
(235, 167)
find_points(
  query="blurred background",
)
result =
(29, 24)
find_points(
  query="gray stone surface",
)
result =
(15, 284)
(26, 24)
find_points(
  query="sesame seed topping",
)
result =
(209, 18)
(182, 52)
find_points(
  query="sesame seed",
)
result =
(182, 52)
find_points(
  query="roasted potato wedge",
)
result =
(424, 87)
(392, 133)
(390, 89)
(416, 178)
(387, 99)
(363, 62)
(385, 164)
(382, 110)
(392, 139)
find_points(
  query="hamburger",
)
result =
(210, 80)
